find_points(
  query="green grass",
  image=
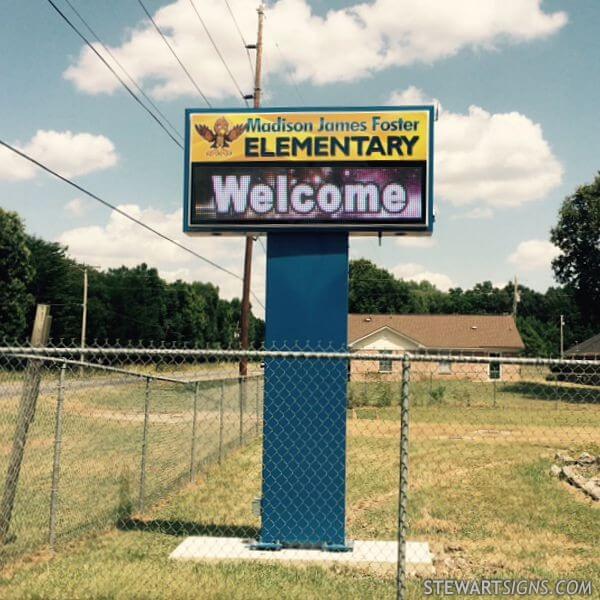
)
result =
(480, 494)
(101, 454)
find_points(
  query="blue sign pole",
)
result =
(304, 459)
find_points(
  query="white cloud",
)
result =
(416, 272)
(122, 242)
(500, 159)
(13, 167)
(70, 154)
(534, 255)
(343, 45)
(411, 95)
(415, 242)
(75, 207)
(497, 160)
(479, 212)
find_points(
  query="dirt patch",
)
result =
(124, 416)
(365, 505)
(429, 524)
(458, 431)
(466, 558)
(441, 476)
(5, 449)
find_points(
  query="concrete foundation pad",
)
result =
(203, 548)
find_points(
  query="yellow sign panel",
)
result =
(388, 135)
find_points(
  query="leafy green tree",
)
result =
(577, 235)
(425, 298)
(227, 324)
(137, 300)
(126, 303)
(58, 281)
(376, 290)
(186, 314)
(16, 272)
(535, 335)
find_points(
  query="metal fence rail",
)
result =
(132, 451)
(121, 440)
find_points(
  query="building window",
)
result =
(385, 365)
(495, 369)
(445, 367)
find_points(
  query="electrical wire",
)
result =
(124, 70)
(244, 43)
(131, 92)
(123, 213)
(212, 41)
(291, 75)
(166, 41)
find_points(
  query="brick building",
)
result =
(461, 335)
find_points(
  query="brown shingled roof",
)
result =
(590, 346)
(443, 331)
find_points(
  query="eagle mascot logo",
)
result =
(221, 136)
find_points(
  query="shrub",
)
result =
(437, 395)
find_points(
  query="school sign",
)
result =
(307, 178)
(366, 170)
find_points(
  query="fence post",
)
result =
(57, 452)
(25, 416)
(557, 387)
(193, 448)
(221, 409)
(257, 404)
(403, 481)
(144, 446)
(242, 394)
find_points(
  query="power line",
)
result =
(242, 38)
(133, 81)
(291, 74)
(212, 41)
(122, 212)
(166, 41)
(131, 92)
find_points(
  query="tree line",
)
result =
(124, 304)
(137, 304)
(374, 290)
(577, 267)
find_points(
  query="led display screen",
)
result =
(365, 171)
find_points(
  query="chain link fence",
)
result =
(130, 472)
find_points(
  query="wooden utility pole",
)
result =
(516, 297)
(84, 310)
(245, 317)
(25, 417)
(562, 336)
(259, 51)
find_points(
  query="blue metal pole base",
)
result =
(274, 547)
(304, 454)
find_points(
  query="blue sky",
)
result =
(531, 68)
